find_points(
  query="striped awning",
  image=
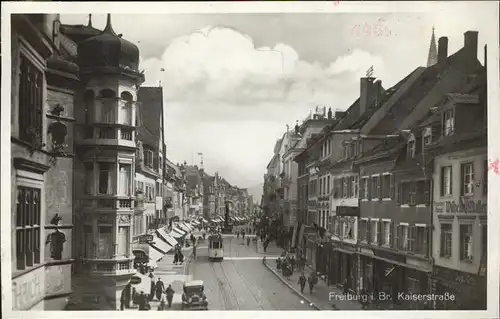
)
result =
(175, 234)
(162, 233)
(144, 285)
(161, 245)
(195, 222)
(154, 255)
(184, 227)
(204, 220)
(189, 226)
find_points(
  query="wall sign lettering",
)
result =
(464, 206)
(28, 289)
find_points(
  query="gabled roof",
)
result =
(419, 89)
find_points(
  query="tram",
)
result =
(215, 247)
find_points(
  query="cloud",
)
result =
(221, 90)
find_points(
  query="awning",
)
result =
(161, 245)
(204, 220)
(154, 255)
(143, 283)
(395, 262)
(179, 230)
(166, 237)
(184, 228)
(175, 234)
(189, 227)
(195, 222)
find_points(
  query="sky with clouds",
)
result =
(233, 81)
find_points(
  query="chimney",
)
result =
(470, 43)
(366, 89)
(442, 49)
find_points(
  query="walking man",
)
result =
(302, 282)
(313, 280)
(170, 295)
(159, 289)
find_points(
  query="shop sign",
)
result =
(389, 255)
(28, 289)
(456, 276)
(146, 238)
(347, 211)
(464, 206)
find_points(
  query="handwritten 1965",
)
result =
(494, 166)
(377, 29)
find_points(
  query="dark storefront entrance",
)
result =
(469, 289)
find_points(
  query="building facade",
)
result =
(44, 81)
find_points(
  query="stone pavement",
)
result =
(174, 275)
(320, 297)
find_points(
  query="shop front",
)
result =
(333, 265)
(322, 258)
(348, 266)
(311, 251)
(468, 289)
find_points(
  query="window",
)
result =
(387, 233)
(403, 237)
(105, 179)
(28, 219)
(108, 101)
(375, 187)
(349, 231)
(328, 186)
(411, 147)
(365, 188)
(125, 179)
(421, 233)
(105, 246)
(348, 181)
(374, 231)
(427, 136)
(420, 193)
(386, 186)
(140, 186)
(126, 108)
(89, 178)
(337, 227)
(466, 242)
(123, 241)
(446, 180)
(345, 187)
(354, 186)
(446, 236)
(448, 122)
(467, 179)
(148, 158)
(31, 102)
(150, 192)
(107, 133)
(89, 98)
(89, 242)
(363, 225)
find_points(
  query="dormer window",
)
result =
(411, 147)
(448, 122)
(427, 136)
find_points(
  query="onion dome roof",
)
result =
(108, 50)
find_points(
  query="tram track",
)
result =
(222, 286)
(257, 299)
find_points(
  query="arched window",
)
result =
(126, 108)
(107, 106)
(89, 101)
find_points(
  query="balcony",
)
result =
(109, 135)
(109, 267)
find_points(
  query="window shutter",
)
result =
(399, 193)
(411, 239)
(426, 240)
(451, 180)
(391, 187)
(427, 193)
(369, 231)
(356, 181)
(369, 186)
(380, 235)
(379, 187)
(398, 236)
(360, 222)
(362, 188)
(441, 181)
(391, 236)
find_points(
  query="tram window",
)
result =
(215, 245)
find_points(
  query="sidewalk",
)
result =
(321, 292)
(174, 275)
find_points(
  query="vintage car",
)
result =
(193, 296)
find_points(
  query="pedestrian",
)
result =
(345, 287)
(237, 234)
(159, 289)
(142, 300)
(176, 258)
(302, 282)
(181, 257)
(292, 263)
(194, 252)
(170, 295)
(152, 290)
(278, 263)
(313, 280)
(243, 234)
(248, 241)
(162, 305)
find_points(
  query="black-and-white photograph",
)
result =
(259, 156)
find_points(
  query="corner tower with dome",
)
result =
(105, 136)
